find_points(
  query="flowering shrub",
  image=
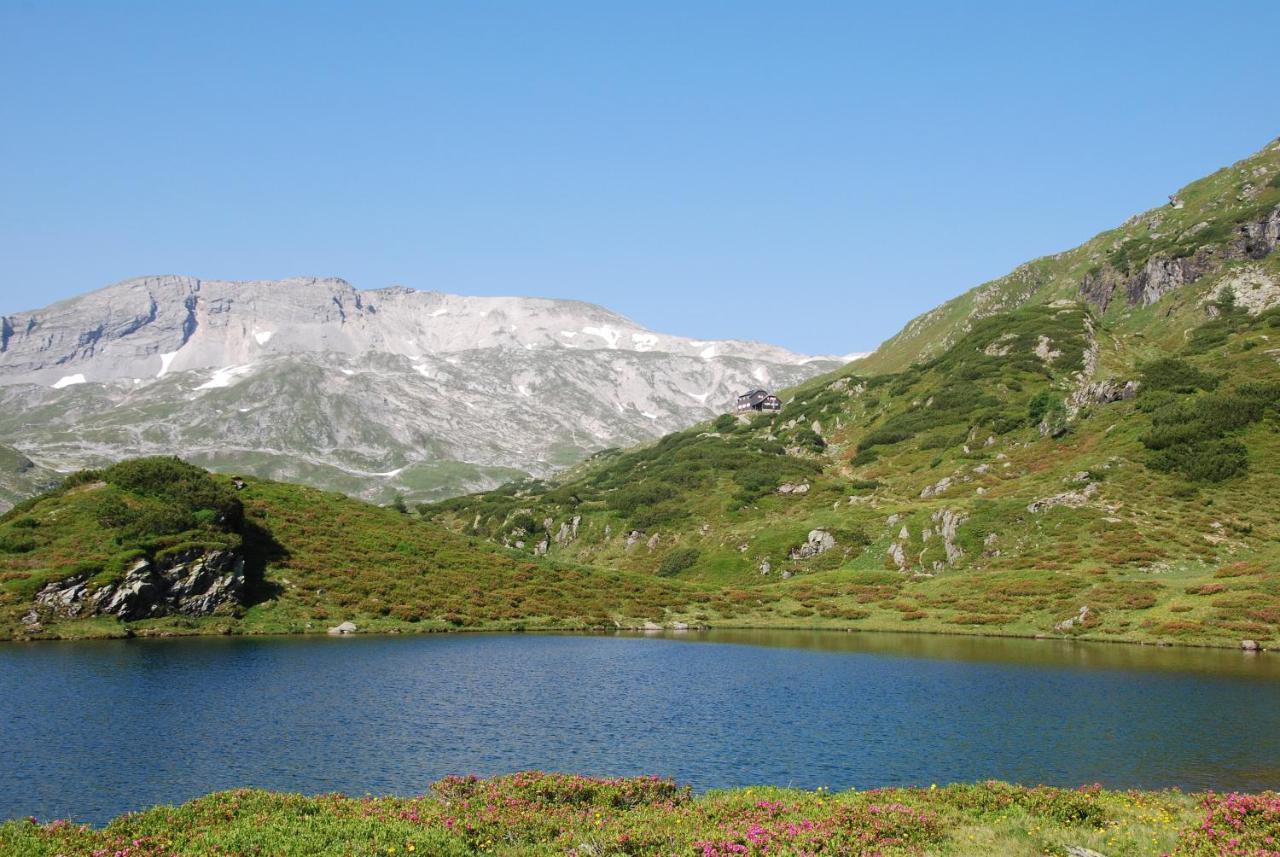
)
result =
(776, 828)
(1235, 825)
(542, 814)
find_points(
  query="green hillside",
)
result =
(1083, 447)
(313, 559)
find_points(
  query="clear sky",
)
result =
(808, 173)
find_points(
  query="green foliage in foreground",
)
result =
(533, 813)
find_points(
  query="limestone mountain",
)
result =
(1090, 444)
(366, 392)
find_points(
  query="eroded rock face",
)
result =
(1161, 275)
(948, 523)
(819, 541)
(1105, 392)
(937, 488)
(1259, 238)
(1097, 287)
(193, 583)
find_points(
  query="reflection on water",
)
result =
(1049, 653)
(91, 729)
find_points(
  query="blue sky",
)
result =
(812, 174)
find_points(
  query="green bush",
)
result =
(1203, 461)
(12, 543)
(1039, 406)
(1187, 434)
(810, 439)
(677, 561)
(1178, 376)
(626, 501)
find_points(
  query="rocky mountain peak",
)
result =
(368, 391)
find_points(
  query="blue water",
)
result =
(93, 729)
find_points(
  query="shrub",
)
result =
(627, 500)
(1178, 376)
(13, 543)
(1187, 434)
(677, 561)
(808, 438)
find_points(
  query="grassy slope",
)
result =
(1212, 206)
(546, 814)
(1161, 550)
(322, 558)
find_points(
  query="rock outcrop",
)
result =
(1073, 499)
(192, 583)
(948, 523)
(819, 541)
(1105, 392)
(1161, 274)
(1077, 620)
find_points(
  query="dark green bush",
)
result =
(1039, 406)
(864, 456)
(1187, 434)
(1203, 461)
(13, 543)
(677, 561)
(627, 500)
(1178, 376)
(810, 439)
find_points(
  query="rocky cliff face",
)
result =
(368, 392)
(193, 583)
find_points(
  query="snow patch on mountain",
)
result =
(226, 376)
(68, 381)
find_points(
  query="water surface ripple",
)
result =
(93, 729)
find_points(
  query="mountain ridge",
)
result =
(372, 392)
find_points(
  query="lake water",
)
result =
(92, 729)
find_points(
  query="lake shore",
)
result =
(107, 628)
(559, 814)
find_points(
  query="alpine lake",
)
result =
(97, 728)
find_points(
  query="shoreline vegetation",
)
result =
(87, 632)
(537, 813)
(158, 547)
